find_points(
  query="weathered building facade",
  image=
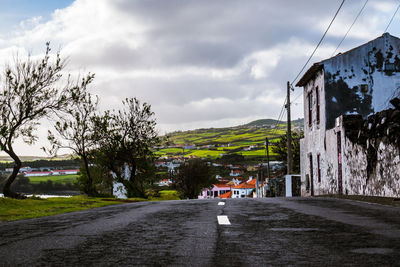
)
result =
(360, 81)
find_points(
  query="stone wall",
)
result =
(371, 158)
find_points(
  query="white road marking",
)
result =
(223, 220)
(221, 203)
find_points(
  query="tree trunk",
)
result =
(7, 185)
(90, 190)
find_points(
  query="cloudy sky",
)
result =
(208, 63)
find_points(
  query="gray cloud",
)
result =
(199, 63)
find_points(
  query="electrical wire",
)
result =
(320, 41)
(301, 93)
(351, 26)
(387, 27)
(282, 112)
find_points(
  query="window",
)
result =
(319, 168)
(311, 175)
(310, 109)
(317, 100)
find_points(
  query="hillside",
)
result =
(247, 140)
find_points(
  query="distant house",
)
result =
(22, 169)
(165, 182)
(360, 81)
(171, 166)
(47, 173)
(64, 172)
(249, 148)
(215, 191)
(31, 174)
(244, 189)
(236, 173)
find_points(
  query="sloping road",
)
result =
(248, 232)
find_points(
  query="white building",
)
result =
(244, 189)
(31, 174)
(64, 172)
(359, 81)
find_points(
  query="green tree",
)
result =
(125, 141)
(75, 130)
(280, 149)
(192, 177)
(31, 90)
(101, 180)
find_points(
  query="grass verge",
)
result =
(17, 209)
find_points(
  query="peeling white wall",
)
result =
(383, 181)
(313, 141)
(358, 66)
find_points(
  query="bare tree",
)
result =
(30, 91)
(75, 129)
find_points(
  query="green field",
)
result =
(62, 179)
(204, 153)
(226, 140)
(259, 152)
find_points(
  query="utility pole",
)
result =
(289, 132)
(267, 148)
(267, 185)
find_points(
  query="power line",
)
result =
(392, 18)
(320, 41)
(351, 26)
(301, 93)
(282, 112)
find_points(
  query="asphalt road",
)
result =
(251, 232)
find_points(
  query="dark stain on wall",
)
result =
(379, 61)
(340, 99)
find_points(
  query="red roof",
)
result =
(245, 186)
(252, 182)
(221, 185)
(226, 195)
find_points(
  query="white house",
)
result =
(171, 166)
(235, 173)
(165, 182)
(244, 189)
